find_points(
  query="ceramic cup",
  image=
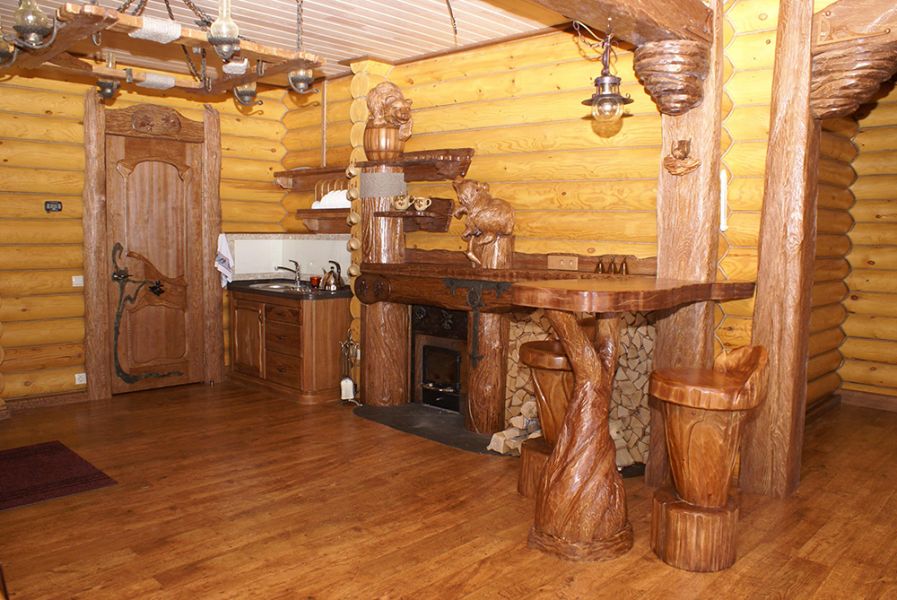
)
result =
(401, 202)
(422, 202)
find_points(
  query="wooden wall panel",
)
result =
(750, 52)
(871, 327)
(42, 158)
(518, 105)
(316, 134)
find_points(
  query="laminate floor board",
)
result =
(233, 491)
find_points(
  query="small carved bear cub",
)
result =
(488, 218)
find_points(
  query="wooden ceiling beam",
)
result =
(854, 51)
(91, 21)
(640, 21)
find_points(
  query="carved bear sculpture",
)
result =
(488, 218)
(388, 107)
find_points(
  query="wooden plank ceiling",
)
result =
(337, 30)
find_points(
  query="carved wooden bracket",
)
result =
(673, 73)
(678, 162)
(848, 73)
(854, 51)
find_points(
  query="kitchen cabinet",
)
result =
(289, 342)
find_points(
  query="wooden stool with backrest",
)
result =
(693, 527)
(553, 383)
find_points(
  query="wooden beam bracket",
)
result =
(673, 73)
(854, 51)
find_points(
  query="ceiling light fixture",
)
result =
(34, 29)
(8, 50)
(301, 79)
(224, 34)
(607, 102)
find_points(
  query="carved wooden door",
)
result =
(153, 234)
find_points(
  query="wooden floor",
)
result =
(233, 492)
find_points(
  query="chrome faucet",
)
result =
(295, 271)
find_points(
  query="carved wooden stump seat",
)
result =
(553, 383)
(693, 527)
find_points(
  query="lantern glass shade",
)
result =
(607, 109)
(607, 103)
(245, 94)
(224, 34)
(301, 79)
(31, 23)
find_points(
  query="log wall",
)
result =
(870, 350)
(750, 51)
(309, 143)
(42, 158)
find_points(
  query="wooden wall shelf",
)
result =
(304, 179)
(430, 165)
(325, 220)
(435, 219)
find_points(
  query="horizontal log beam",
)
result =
(640, 21)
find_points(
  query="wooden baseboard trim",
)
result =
(822, 406)
(867, 400)
(17, 405)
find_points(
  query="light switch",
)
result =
(77, 280)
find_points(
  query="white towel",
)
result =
(224, 261)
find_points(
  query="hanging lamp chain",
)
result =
(299, 25)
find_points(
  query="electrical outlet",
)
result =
(77, 280)
(80, 378)
(563, 262)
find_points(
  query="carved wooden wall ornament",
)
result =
(678, 162)
(673, 73)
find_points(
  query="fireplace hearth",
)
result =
(439, 357)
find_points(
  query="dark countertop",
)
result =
(246, 286)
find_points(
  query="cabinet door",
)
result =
(248, 336)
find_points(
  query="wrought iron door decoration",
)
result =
(122, 277)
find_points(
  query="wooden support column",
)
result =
(488, 374)
(385, 326)
(98, 341)
(687, 208)
(213, 294)
(383, 329)
(770, 458)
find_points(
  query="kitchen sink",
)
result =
(279, 287)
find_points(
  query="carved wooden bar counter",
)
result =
(580, 503)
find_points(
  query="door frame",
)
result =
(97, 309)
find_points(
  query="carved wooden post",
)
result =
(488, 374)
(685, 79)
(384, 327)
(770, 458)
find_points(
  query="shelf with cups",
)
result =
(435, 217)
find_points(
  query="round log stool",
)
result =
(553, 383)
(693, 527)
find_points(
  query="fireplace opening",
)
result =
(440, 362)
(441, 377)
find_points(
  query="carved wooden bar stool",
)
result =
(693, 527)
(553, 383)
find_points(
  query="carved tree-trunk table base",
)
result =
(581, 504)
(690, 537)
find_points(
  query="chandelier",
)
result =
(44, 41)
